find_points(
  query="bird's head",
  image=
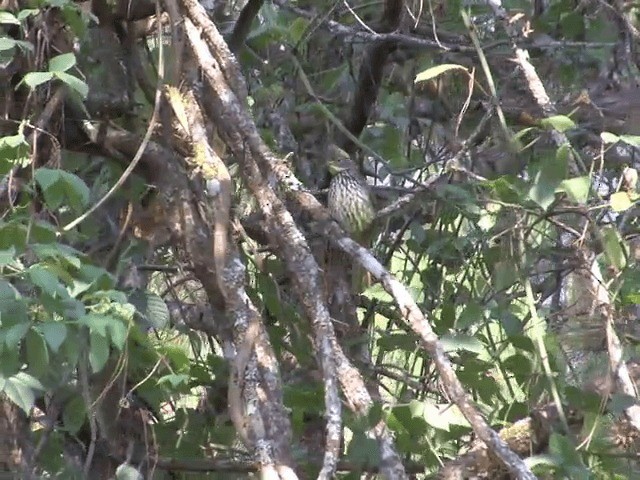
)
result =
(338, 160)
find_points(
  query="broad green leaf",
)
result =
(620, 402)
(151, 308)
(74, 83)
(552, 172)
(443, 416)
(436, 71)
(117, 333)
(6, 43)
(452, 343)
(7, 256)
(21, 388)
(34, 79)
(76, 190)
(14, 334)
(98, 351)
(28, 12)
(47, 281)
(175, 380)
(473, 314)
(54, 334)
(62, 63)
(621, 201)
(577, 188)
(560, 123)
(8, 17)
(297, 29)
(74, 414)
(96, 322)
(37, 353)
(614, 247)
(363, 450)
(13, 141)
(397, 341)
(633, 140)
(57, 251)
(608, 138)
(128, 472)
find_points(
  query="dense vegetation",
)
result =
(176, 300)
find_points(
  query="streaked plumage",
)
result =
(349, 197)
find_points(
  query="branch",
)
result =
(241, 135)
(243, 24)
(370, 75)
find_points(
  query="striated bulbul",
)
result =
(349, 199)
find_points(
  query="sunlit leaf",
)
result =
(438, 70)
(608, 137)
(577, 188)
(620, 201)
(62, 63)
(560, 123)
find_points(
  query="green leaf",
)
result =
(614, 247)
(74, 83)
(621, 201)
(62, 63)
(175, 380)
(33, 79)
(98, 351)
(74, 414)
(128, 472)
(297, 29)
(97, 323)
(620, 402)
(14, 334)
(436, 71)
(45, 251)
(8, 17)
(47, 177)
(473, 314)
(363, 450)
(151, 308)
(49, 181)
(7, 256)
(54, 334)
(20, 389)
(443, 417)
(577, 188)
(550, 176)
(452, 343)
(6, 44)
(118, 333)
(608, 138)
(14, 141)
(47, 281)
(37, 353)
(633, 140)
(397, 341)
(561, 123)
(76, 190)
(28, 12)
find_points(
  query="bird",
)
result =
(349, 197)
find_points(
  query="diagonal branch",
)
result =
(257, 162)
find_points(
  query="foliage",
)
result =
(490, 256)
